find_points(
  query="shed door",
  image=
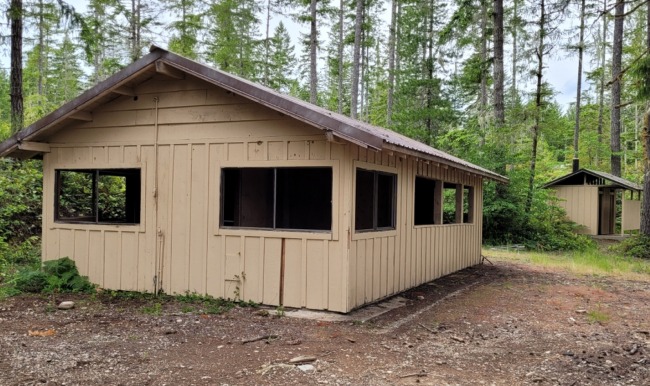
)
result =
(607, 211)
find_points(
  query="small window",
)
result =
(98, 196)
(374, 200)
(277, 198)
(450, 214)
(425, 194)
(468, 204)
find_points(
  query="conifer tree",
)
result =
(234, 41)
(281, 61)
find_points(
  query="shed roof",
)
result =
(616, 181)
(163, 61)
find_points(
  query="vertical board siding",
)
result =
(382, 266)
(200, 129)
(581, 205)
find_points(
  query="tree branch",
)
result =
(629, 66)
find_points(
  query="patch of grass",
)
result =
(597, 316)
(154, 309)
(590, 262)
(187, 309)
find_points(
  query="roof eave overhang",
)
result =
(614, 184)
(10, 147)
(414, 153)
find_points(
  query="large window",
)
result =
(375, 200)
(425, 201)
(277, 198)
(98, 196)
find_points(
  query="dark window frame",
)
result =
(275, 227)
(94, 218)
(375, 198)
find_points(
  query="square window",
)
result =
(98, 196)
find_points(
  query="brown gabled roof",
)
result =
(338, 125)
(615, 181)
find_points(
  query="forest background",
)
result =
(469, 77)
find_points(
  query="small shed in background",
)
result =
(591, 198)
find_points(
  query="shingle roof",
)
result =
(339, 125)
(622, 182)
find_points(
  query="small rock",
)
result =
(306, 368)
(302, 359)
(420, 297)
(457, 339)
(67, 305)
(581, 311)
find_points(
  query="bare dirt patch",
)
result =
(502, 324)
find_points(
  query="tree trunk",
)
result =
(483, 98)
(601, 86)
(576, 130)
(538, 106)
(499, 109)
(515, 18)
(313, 45)
(16, 15)
(41, 48)
(356, 59)
(433, 135)
(617, 54)
(267, 42)
(645, 211)
(340, 47)
(392, 39)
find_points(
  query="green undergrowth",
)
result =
(188, 303)
(589, 262)
(636, 246)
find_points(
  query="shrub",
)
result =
(545, 227)
(635, 246)
(31, 281)
(63, 276)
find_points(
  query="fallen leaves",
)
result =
(42, 333)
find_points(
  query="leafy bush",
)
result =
(636, 246)
(63, 276)
(55, 276)
(544, 227)
(31, 281)
(21, 191)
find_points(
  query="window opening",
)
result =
(98, 196)
(425, 190)
(277, 198)
(450, 204)
(374, 200)
(468, 204)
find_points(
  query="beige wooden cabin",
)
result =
(589, 198)
(234, 190)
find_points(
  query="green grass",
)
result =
(591, 262)
(597, 316)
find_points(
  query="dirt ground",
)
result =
(504, 324)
